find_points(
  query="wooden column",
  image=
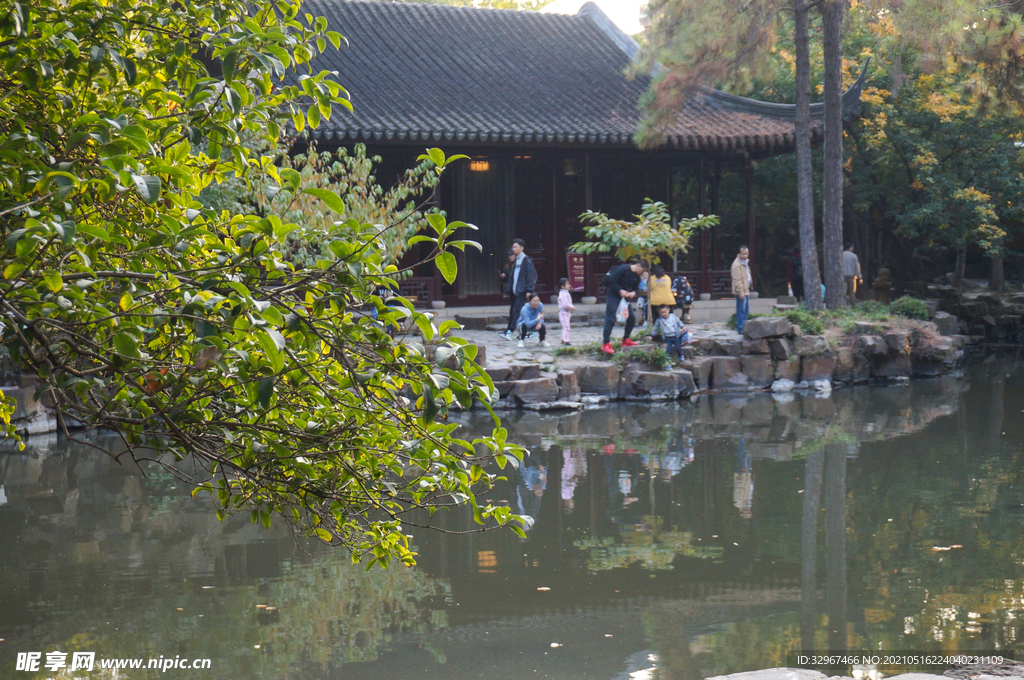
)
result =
(705, 237)
(588, 202)
(748, 174)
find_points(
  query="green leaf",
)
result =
(12, 270)
(148, 187)
(332, 199)
(448, 266)
(53, 281)
(268, 340)
(323, 534)
(126, 344)
(227, 65)
(264, 391)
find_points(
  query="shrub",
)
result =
(731, 321)
(910, 308)
(809, 322)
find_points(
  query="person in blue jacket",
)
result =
(531, 318)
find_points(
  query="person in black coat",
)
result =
(519, 285)
(621, 282)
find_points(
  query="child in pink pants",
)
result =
(565, 308)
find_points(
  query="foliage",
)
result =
(691, 44)
(650, 235)
(350, 174)
(937, 168)
(810, 322)
(910, 308)
(731, 321)
(187, 331)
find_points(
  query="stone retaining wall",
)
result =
(772, 354)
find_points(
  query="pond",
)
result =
(678, 540)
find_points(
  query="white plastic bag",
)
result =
(622, 313)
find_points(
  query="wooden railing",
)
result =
(421, 290)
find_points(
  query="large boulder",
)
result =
(600, 379)
(809, 345)
(781, 348)
(844, 365)
(685, 382)
(522, 371)
(653, 385)
(755, 347)
(935, 357)
(758, 369)
(535, 391)
(767, 327)
(894, 366)
(946, 324)
(499, 372)
(723, 370)
(504, 387)
(788, 369)
(898, 341)
(817, 367)
(723, 347)
(702, 367)
(871, 346)
(568, 385)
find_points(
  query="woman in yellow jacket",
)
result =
(659, 290)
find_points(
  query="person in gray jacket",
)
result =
(519, 286)
(851, 272)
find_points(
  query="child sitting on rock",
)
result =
(672, 331)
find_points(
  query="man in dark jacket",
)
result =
(519, 285)
(622, 282)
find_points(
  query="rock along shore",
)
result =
(772, 354)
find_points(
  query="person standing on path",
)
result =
(851, 272)
(659, 292)
(565, 308)
(519, 287)
(621, 282)
(742, 282)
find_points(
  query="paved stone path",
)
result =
(505, 351)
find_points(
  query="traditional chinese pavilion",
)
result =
(544, 108)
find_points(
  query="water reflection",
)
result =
(676, 540)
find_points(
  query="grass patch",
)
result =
(648, 354)
(815, 323)
(731, 321)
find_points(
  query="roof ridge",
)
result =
(442, 7)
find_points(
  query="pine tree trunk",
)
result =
(997, 279)
(804, 169)
(832, 22)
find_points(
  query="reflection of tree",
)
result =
(648, 546)
(121, 537)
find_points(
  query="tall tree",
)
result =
(186, 330)
(804, 165)
(832, 12)
(726, 46)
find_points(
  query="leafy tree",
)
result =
(729, 46)
(350, 174)
(186, 330)
(648, 237)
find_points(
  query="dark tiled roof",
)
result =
(437, 72)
